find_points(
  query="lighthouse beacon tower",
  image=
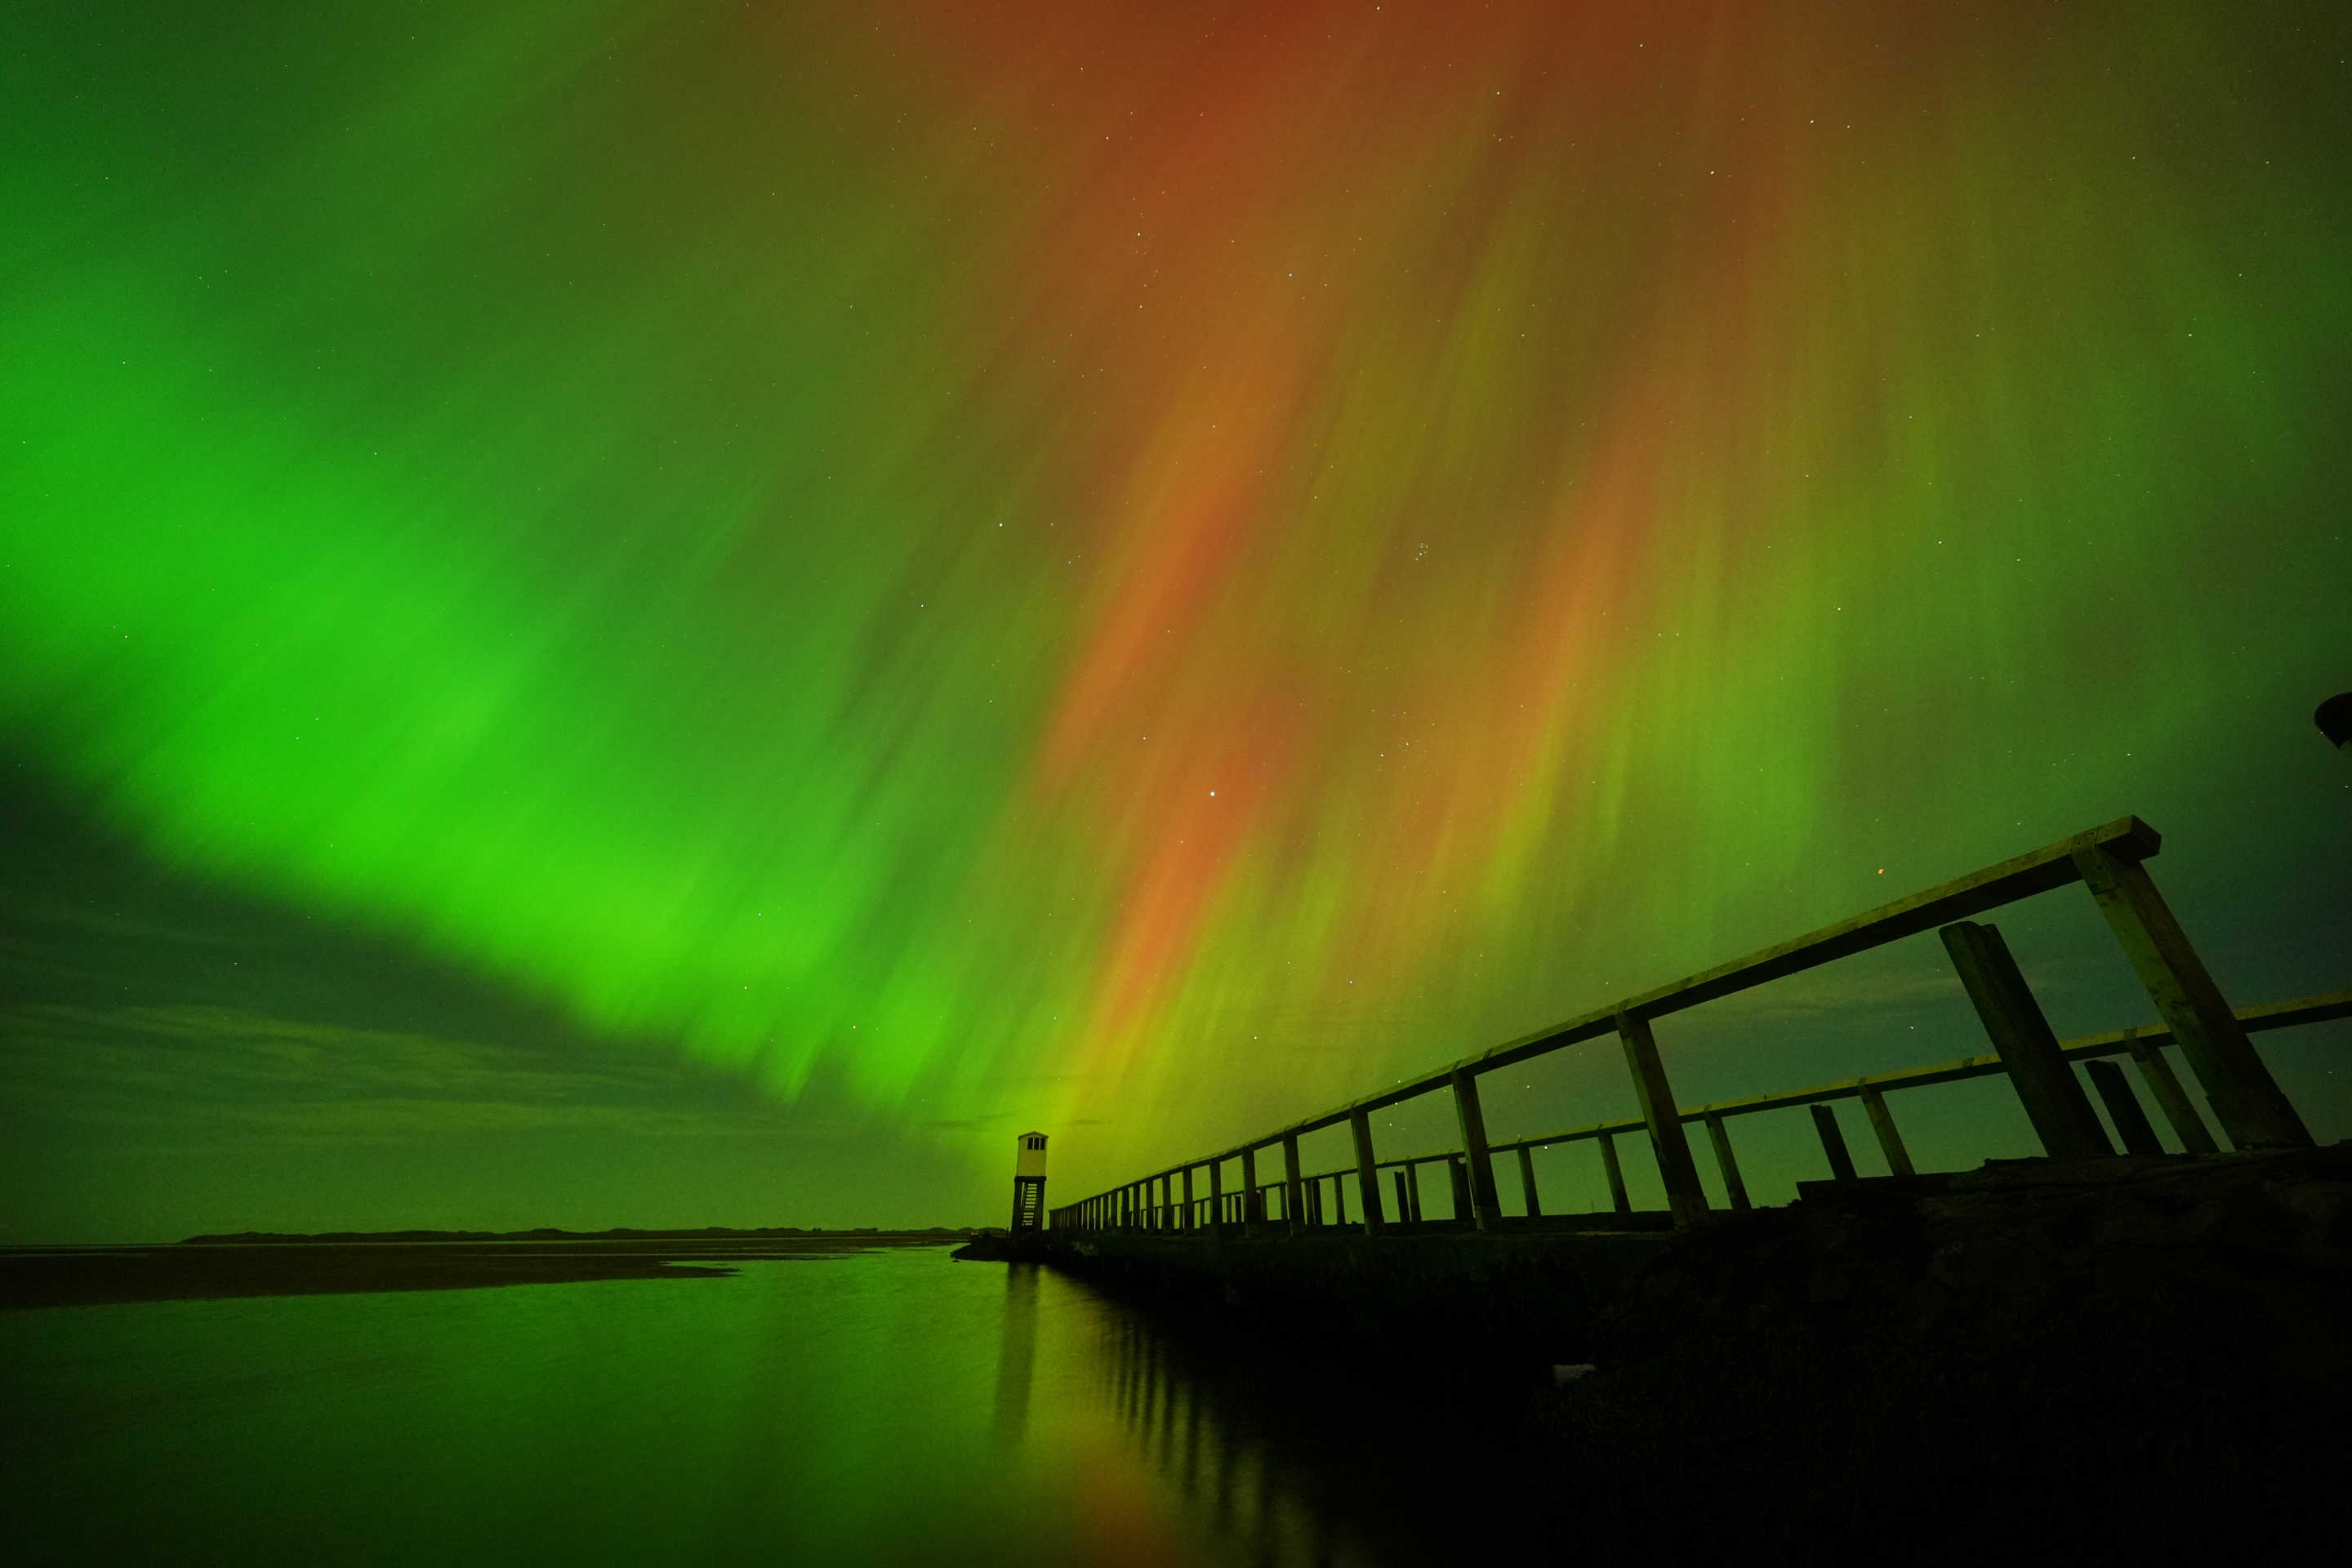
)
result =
(1028, 1182)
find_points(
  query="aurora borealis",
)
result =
(1145, 568)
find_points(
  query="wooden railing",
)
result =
(2109, 860)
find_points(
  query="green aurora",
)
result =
(870, 577)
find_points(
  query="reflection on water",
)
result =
(891, 1407)
(1016, 1363)
(1287, 1455)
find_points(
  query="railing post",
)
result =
(2123, 1109)
(2170, 1098)
(1528, 1182)
(1890, 1139)
(1685, 1196)
(1616, 1173)
(1832, 1142)
(1485, 1208)
(2253, 1111)
(1252, 1210)
(1293, 1201)
(1339, 1200)
(1190, 1215)
(2054, 1100)
(1367, 1172)
(1732, 1187)
(1217, 1197)
(1407, 1211)
(1459, 1173)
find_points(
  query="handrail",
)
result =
(2107, 857)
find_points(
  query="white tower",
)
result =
(1028, 1182)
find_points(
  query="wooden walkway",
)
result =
(2211, 1036)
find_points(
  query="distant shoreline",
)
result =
(218, 1267)
(618, 1233)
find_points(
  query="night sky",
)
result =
(616, 612)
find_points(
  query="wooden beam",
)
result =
(1253, 1205)
(1484, 1207)
(1721, 1136)
(1685, 1196)
(1616, 1173)
(1294, 1202)
(1832, 1142)
(1882, 1124)
(2170, 1098)
(2045, 1085)
(2123, 1109)
(1527, 1180)
(1368, 1174)
(2252, 1110)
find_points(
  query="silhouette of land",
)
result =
(264, 1264)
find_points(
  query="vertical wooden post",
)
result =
(1734, 1188)
(1685, 1196)
(1339, 1201)
(1890, 1139)
(1616, 1173)
(2054, 1100)
(2123, 1109)
(1483, 1208)
(1404, 1197)
(1294, 1202)
(1191, 1216)
(1253, 1208)
(1528, 1182)
(1459, 1173)
(1217, 1196)
(2170, 1098)
(1832, 1141)
(2252, 1110)
(1367, 1172)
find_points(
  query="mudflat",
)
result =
(210, 1267)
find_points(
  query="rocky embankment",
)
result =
(2038, 1361)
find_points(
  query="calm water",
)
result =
(883, 1408)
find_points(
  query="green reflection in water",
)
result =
(885, 1408)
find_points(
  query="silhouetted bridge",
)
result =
(1298, 1232)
